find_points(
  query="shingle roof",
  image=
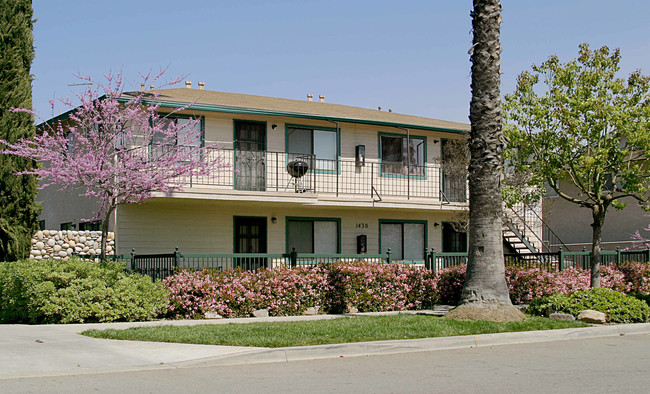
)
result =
(236, 102)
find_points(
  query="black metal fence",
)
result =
(159, 266)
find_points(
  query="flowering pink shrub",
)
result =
(528, 284)
(450, 284)
(373, 287)
(368, 287)
(237, 293)
(637, 277)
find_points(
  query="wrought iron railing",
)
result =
(159, 266)
(267, 171)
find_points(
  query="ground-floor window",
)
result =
(313, 235)
(91, 226)
(406, 239)
(453, 240)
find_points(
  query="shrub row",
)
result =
(369, 287)
(290, 291)
(76, 291)
(533, 283)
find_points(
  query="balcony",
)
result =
(265, 171)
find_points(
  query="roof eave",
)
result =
(253, 111)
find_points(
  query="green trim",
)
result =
(234, 230)
(379, 158)
(312, 128)
(247, 111)
(426, 230)
(287, 219)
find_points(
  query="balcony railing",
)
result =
(267, 171)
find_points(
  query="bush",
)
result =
(236, 293)
(618, 307)
(637, 277)
(76, 291)
(450, 284)
(290, 291)
(373, 287)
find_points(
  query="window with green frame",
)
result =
(313, 235)
(322, 143)
(190, 135)
(406, 239)
(401, 155)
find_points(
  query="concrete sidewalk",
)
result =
(48, 350)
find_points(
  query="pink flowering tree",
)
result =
(116, 147)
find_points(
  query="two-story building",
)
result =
(303, 174)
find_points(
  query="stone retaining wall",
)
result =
(61, 244)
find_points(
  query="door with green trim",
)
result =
(250, 237)
(250, 155)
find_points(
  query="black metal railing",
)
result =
(267, 171)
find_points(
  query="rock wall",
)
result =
(61, 244)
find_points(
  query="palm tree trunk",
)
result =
(485, 294)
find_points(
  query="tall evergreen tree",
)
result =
(18, 211)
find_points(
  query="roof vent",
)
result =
(142, 87)
(152, 87)
(188, 84)
(310, 97)
(321, 98)
(201, 85)
(379, 108)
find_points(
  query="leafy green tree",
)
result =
(18, 212)
(584, 132)
(485, 293)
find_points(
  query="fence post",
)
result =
(293, 257)
(177, 258)
(433, 259)
(618, 256)
(132, 259)
(560, 257)
(388, 253)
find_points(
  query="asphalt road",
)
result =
(599, 365)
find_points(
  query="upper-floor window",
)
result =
(402, 155)
(189, 135)
(321, 143)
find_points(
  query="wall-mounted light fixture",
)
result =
(274, 220)
(274, 126)
(435, 141)
(436, 224)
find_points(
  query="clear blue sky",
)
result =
(409, 55)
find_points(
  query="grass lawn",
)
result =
(319, 332)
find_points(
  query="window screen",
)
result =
(313, 236)
(405, 240)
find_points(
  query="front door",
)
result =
(250, 237)
(250, 155)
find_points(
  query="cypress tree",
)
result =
(18, 211)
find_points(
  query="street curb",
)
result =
(358, 349)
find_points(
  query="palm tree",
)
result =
(485, 293)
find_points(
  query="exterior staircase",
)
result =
(525, 232)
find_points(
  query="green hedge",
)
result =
(618, 307)
(76, 291)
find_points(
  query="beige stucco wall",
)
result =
(572, 223)
(64, 206)
(206, 226)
